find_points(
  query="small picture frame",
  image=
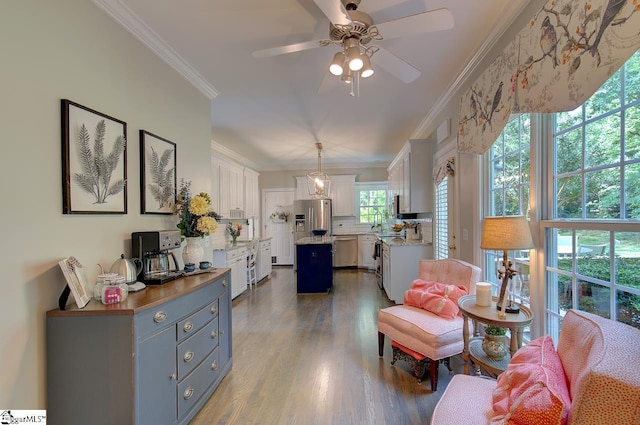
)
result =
(158, 179)
(76, 282)
(94, 161)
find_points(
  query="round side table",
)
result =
(515, 322)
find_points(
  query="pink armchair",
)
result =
(594, 380)
(420, 333)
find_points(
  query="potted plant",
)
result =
(495, 342)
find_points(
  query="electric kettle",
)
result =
(130, 269)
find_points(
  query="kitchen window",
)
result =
(372, 203)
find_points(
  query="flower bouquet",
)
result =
(234, 229)
(197, 219)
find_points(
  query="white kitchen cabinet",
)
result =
(264, 259)
(251, 194)
(231, 189)
(400, 266)
(228, 187)
(302, 188)
(342, 194)
(366, 247)
(235, 259)
(343, 189)
(411, 177)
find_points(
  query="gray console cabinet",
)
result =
(154, 359)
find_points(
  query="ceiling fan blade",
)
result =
(291, 48)
(434, 20)
(334, 10)
(395, 66)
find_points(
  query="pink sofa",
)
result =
(599, 361)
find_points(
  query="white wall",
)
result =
(71, 49)
(470, 186)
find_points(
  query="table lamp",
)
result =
(506, 233)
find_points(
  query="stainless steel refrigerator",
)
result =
(310, 215)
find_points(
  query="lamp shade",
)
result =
(506, 233)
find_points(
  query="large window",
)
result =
(372, 203)
(508, 182)
(593, 236)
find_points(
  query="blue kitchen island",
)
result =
(314, 264)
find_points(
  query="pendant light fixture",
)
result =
(317, 181)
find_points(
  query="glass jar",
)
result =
(114, 290)
(102, 280)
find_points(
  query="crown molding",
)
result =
(515, 9)
(136, 26)
(217, 148)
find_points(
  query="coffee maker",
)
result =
(154, 250)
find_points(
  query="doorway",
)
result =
(280, 232)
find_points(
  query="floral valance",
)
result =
(565, 53)
(446, 169)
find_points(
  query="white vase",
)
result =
(193, 252)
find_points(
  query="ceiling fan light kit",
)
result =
(353, 30)
(336, 64)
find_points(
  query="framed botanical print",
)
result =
(158, 178)
(94, 161)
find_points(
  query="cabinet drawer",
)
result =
(191, 324)
(194, 349)
(196, 384)
(171, 312)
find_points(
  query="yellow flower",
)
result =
(207, 225)
(198, 205)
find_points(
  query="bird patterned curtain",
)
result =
(447, 169)
(565, 53)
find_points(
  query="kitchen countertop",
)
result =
(239, 244)
(315, 240)
(397, 241)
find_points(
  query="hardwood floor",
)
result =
(313, 359)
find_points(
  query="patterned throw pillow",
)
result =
(533, 389)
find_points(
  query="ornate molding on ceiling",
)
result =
(136, 26)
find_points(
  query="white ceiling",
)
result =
(270, 111)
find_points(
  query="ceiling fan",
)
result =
(354, 30)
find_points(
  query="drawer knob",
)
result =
(188, 393)
(188, 356)
(214, 365)
(187, 327)
(214, 334)
(214, 310)
(159, 317)
(221, 332)
(225, 282)
(173, 376)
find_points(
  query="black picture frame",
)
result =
(158, 177)
(94, 161)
